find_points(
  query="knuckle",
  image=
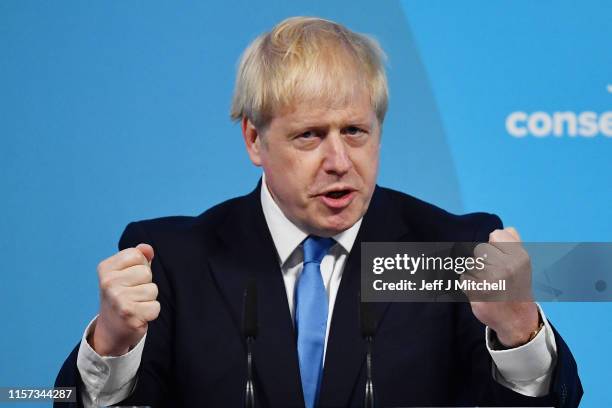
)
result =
(124, 311)
(106, 284)
(114, 292)
(102, 267)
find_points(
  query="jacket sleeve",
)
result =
(153, 385)
(477, 385)
(69, 376)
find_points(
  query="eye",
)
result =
(354, 131)
(307, 135)
(307, 140)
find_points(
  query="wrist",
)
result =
(104, 343)
(521, 332)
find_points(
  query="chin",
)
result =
(335, 226)
(326, 224)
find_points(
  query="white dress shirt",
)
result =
(526, 369)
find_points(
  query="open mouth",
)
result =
(338, 199)
(337, 194)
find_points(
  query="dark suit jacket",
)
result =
(425, 354)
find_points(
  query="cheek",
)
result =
(283, 161)
(367, 163)
(277, 163)
(301, 168)
(288, 176)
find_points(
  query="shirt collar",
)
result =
(287, 236)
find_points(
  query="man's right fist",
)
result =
(128, 301)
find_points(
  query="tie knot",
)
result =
(315, 248)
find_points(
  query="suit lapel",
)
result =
(345, 347)
(247, 250)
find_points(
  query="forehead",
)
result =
(325, 112)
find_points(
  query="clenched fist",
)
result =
(516, 319)
(128, 301)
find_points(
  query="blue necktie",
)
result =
(311, 316)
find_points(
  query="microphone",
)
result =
(249, 332)
(368, 322)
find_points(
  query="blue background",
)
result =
(118, 110)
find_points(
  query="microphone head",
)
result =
(249, 309)
(367, 318)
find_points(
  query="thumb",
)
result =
(147, 251)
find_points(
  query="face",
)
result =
(320, 162)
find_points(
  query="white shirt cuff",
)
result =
(526, 369)
(107, 379)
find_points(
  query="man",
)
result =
(311, 96)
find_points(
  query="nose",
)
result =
(337, 159)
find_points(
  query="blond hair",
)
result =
(308, 59)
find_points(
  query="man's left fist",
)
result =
(517, 317)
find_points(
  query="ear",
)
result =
(252, 140)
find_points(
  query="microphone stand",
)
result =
(368, 401)
(368, 329)
(249, 396)
(249, 331)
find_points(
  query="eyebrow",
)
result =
(358, 122)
